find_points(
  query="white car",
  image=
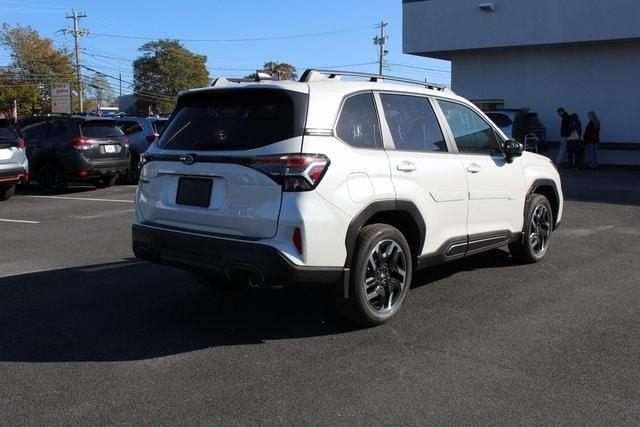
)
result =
(14, 167)
(329, 181)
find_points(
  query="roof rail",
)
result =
(314, 75)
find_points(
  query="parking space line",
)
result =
(82, 198)
(19, 221)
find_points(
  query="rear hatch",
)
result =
(102, 140)
(210, 169)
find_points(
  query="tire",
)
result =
(380, 276)
(538, 227)
(52, 179)
(213, 281)
(7, 192)
(105, 182)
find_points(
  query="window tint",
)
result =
(235, 119)
(100, 129)
(358, 124)
(413, 123)
(6, 132)
(472, 134)
(130, 127)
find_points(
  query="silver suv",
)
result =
(14, 168)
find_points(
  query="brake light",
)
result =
(152, 138)
(295, 172)
(21, 144)
(81, 143)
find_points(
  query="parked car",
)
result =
(504, 120)
(14, 167)
(63, 149)
(352, 184)
(142, 132)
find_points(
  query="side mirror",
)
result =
(512, 149)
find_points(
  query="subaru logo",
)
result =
(188, 159)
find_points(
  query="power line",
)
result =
(248, 39)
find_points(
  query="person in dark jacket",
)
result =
(566, 128)
(519, 127)
(591, 140)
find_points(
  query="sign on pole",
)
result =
(61, 98)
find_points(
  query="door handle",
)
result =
(474, 168)
(406, 167)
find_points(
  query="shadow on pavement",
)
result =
(133, 310)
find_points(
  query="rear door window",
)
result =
(358, 124)
(100, 130)
(36, 130)
(413, 123)
(235, 119)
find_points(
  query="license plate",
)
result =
(110, 149)
(194, 192)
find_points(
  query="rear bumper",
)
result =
(13, 176)
(92, 169)
(240, 261)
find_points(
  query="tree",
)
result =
(164, 69)
(35, 64)
(278, 70)
(100, 89)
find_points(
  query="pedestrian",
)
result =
(573, 141)
(519, 128)
(577, 124)
(565, 131)
(591, 140)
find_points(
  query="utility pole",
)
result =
(77, 33)
(120, 82)
(381, 40)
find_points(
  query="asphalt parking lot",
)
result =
(89, 335)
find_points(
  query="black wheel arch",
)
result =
(402, 214)
(549, 189)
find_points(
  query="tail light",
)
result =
(81, 143)
(21, 144)
(295, 172)
(152, 138)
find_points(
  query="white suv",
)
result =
(333, 181)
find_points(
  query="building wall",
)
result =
(603, 78)
(436, 28)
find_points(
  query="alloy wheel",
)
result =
(385, 276)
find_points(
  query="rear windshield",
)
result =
(100, 129)
(236, 119)
(501, 120)
(7, 133)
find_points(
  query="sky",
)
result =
(319, 34)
